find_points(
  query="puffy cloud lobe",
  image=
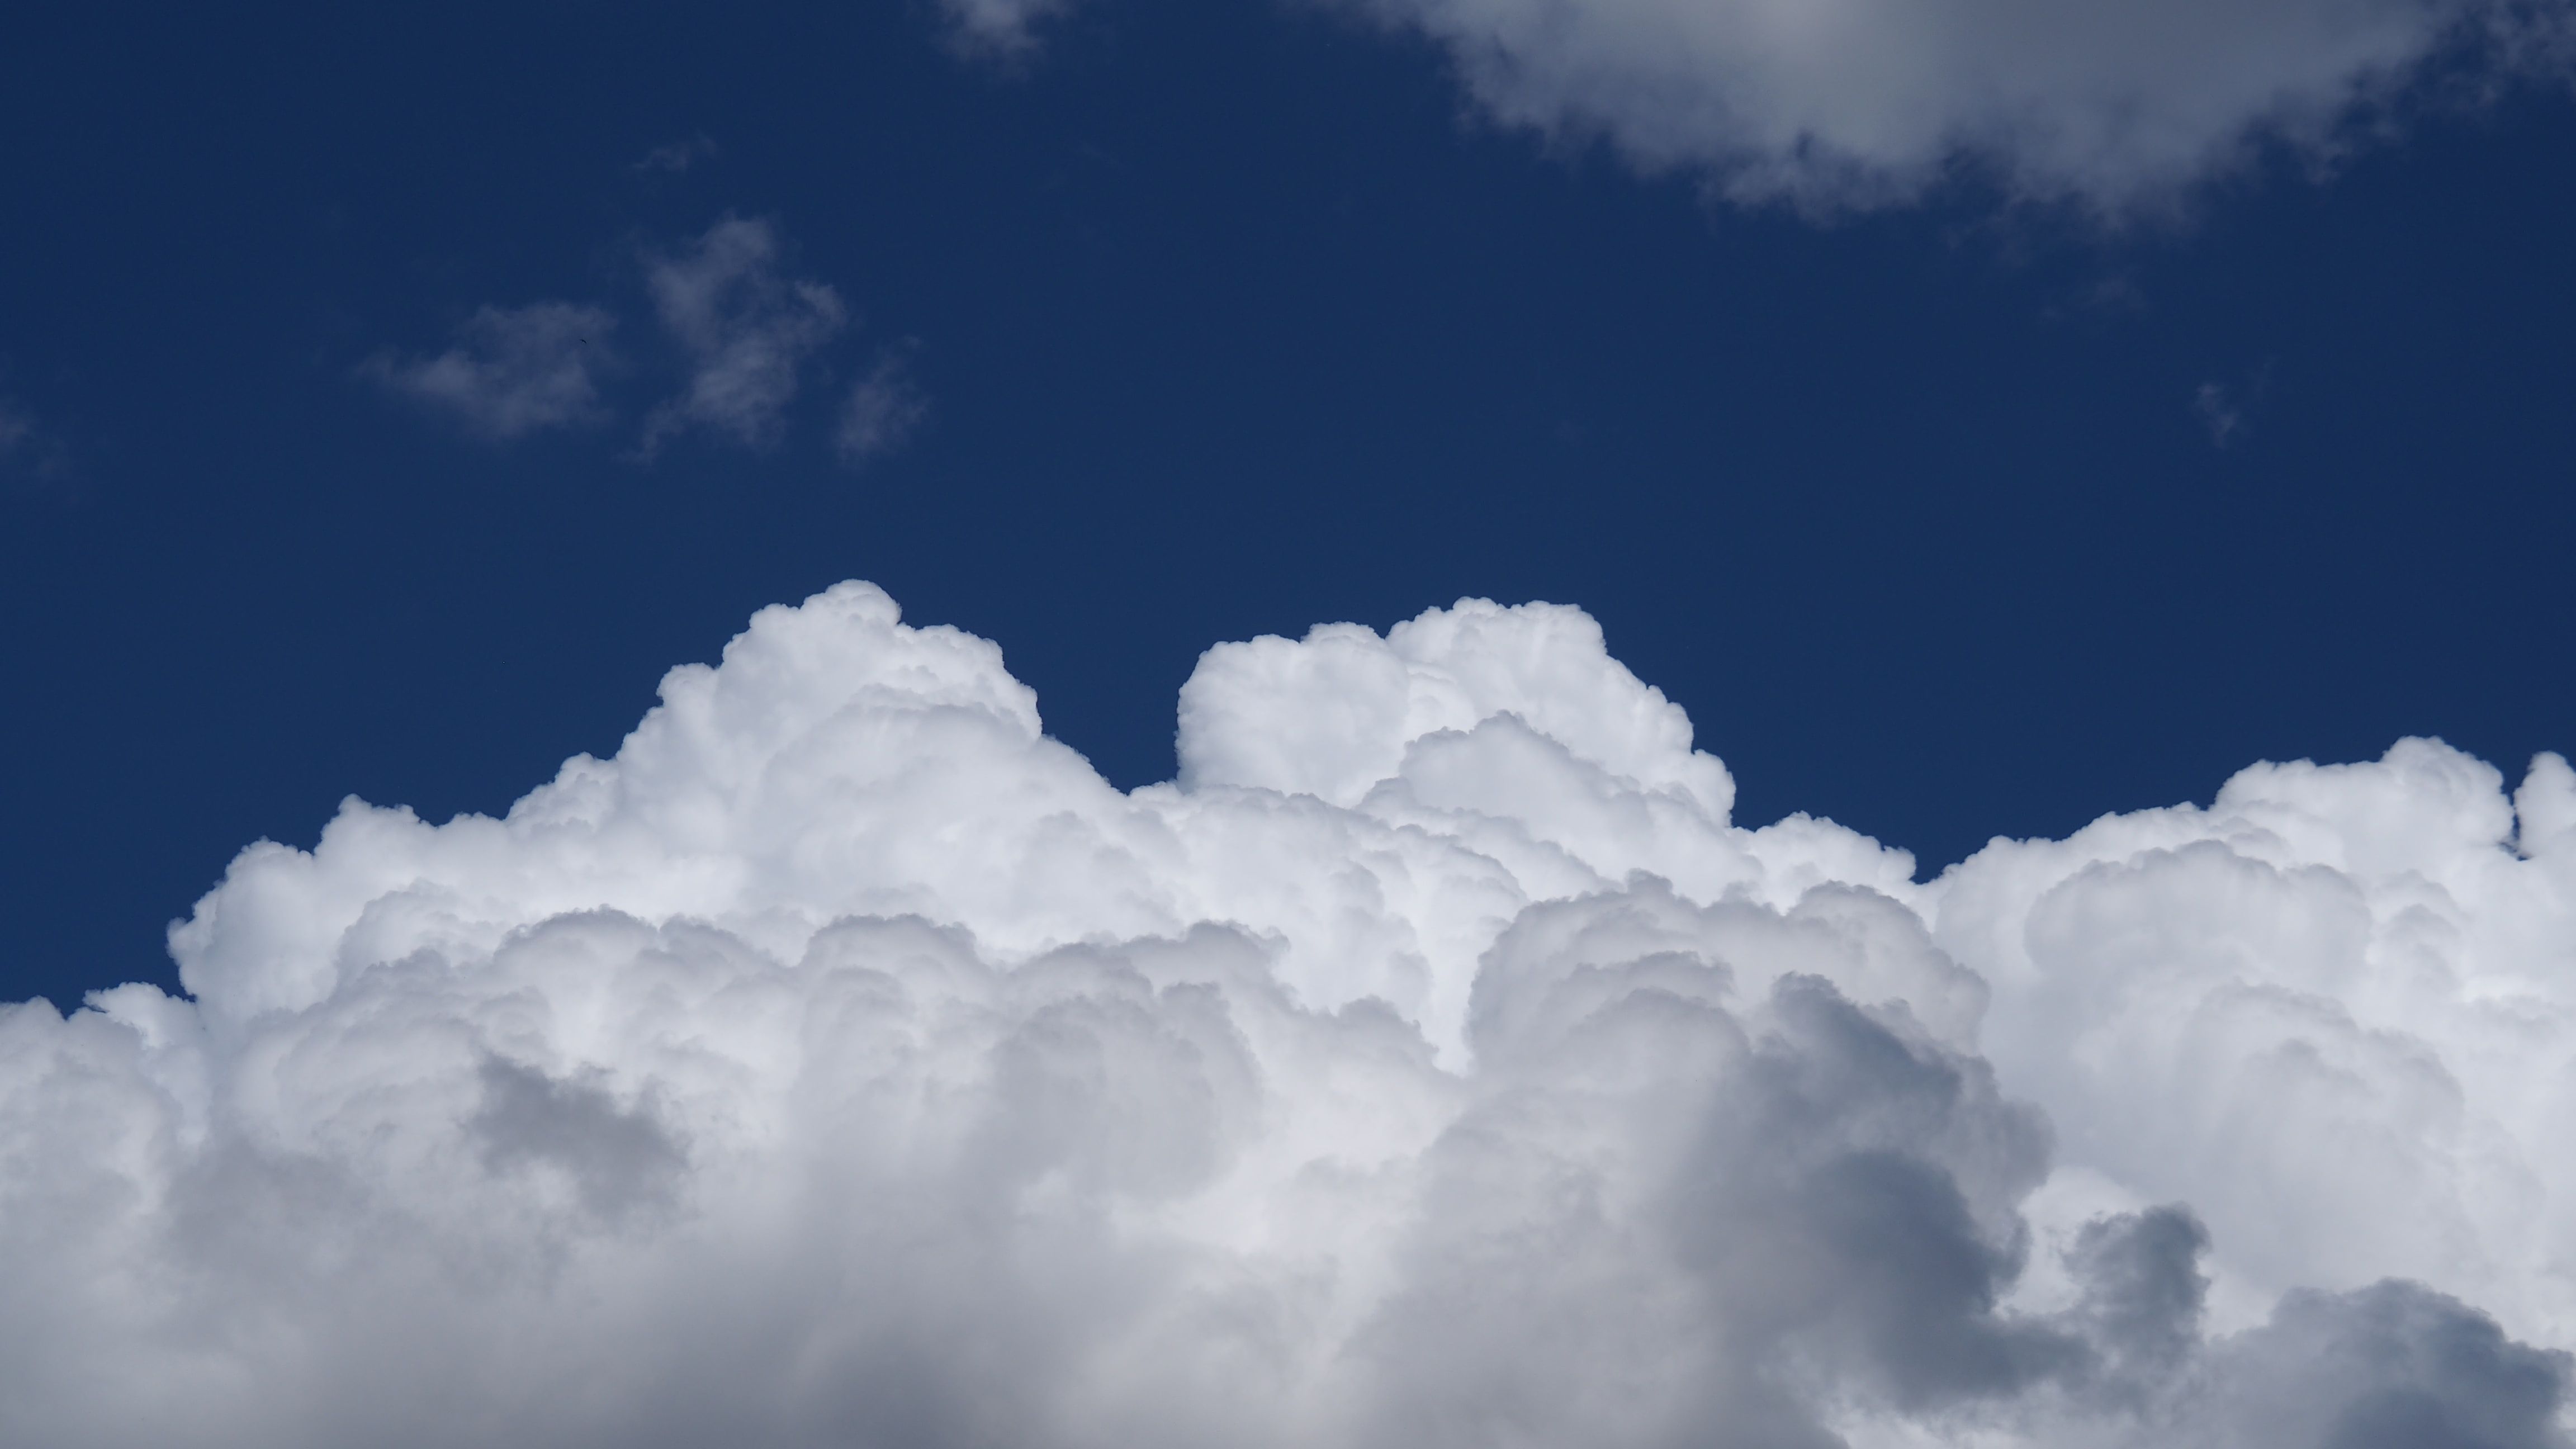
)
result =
(1838, 103)
(2434, 1374)
(2335, 987)
(1433, 1062)
(514, 370)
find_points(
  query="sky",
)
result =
(1962, 421)
(1966, 517)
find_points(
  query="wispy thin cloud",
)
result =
(679, 156)
(743, 334)
(2227, 409)
(28, 448)
(513, 370)
(1000, 28)
(748, 328)
(2114, 106)
(2219, 412)
(881, 412)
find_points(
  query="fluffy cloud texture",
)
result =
(1432, 1063)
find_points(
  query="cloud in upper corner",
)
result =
(1434, 1063)
(513, 370)
(881, 412)
(1834, 104)
(747, 327)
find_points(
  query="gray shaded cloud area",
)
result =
(1434, 1064)
(2115, 106)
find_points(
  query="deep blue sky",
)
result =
(1232, 319)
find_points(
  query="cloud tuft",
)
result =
(748, 328)
(1003, 29)
(514, 370)
(2114, 105)
(678, 157)
(881, 412)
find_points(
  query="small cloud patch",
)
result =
(513, 371)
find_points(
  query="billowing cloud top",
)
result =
(1432, 1063)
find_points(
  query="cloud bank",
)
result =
(1433, 1062)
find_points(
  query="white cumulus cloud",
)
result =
(678, 157)
(513, 370)
(1433, 1062)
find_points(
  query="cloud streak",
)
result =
(1433, 1062)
